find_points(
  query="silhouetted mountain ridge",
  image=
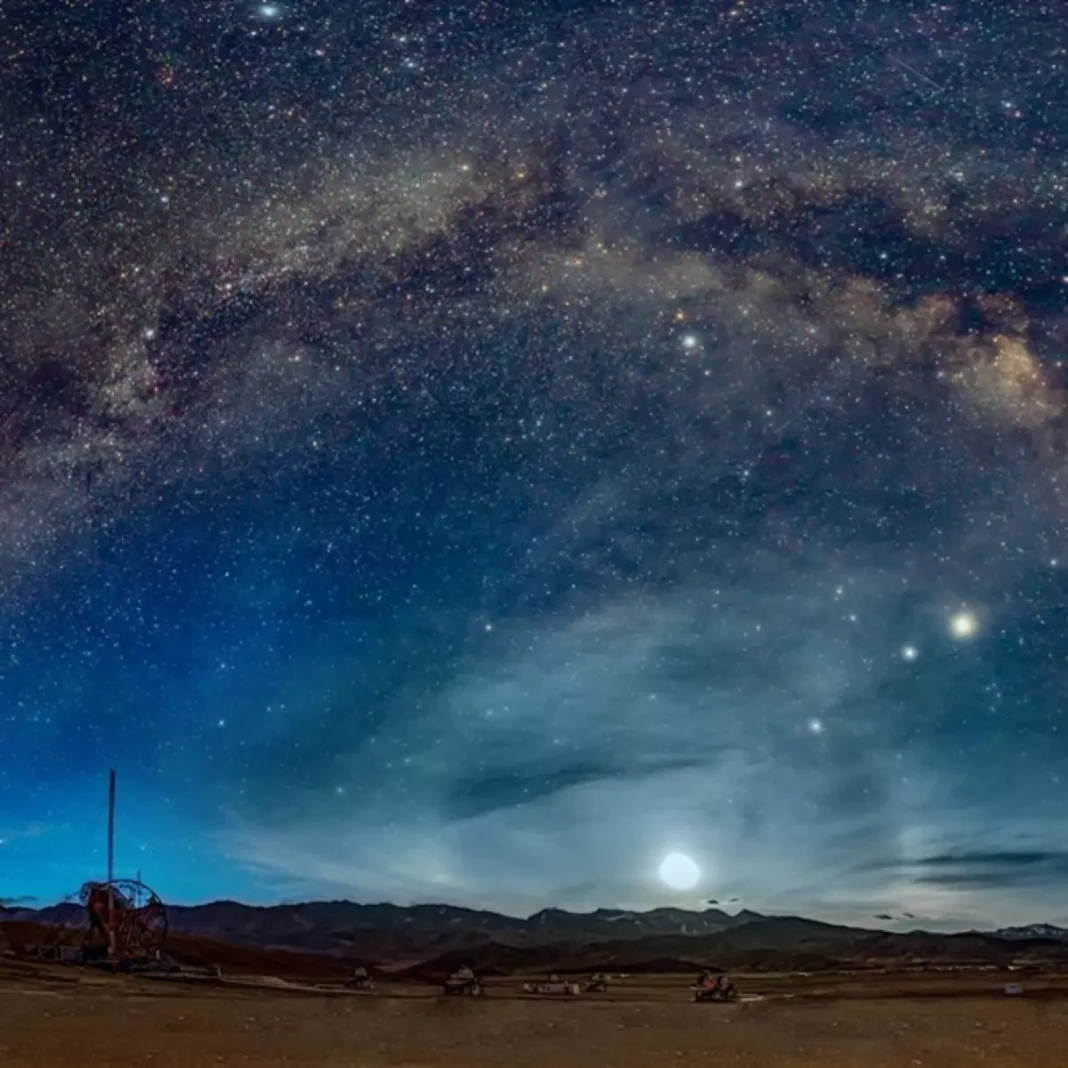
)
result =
(773, 943)
(433, 937)
(1033, 930)
(388, 932)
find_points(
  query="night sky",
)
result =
(468, 451)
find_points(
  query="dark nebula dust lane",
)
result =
(470, 452)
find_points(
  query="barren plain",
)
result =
(53, 1017)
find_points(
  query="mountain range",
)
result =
(385, 932)
(427, 939)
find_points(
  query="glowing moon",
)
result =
(679, 872)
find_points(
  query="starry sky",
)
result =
(466, 451)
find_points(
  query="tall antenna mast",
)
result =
(112, 946)
(122, 916)
(111, 825)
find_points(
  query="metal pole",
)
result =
(111, 825)
(112, 948)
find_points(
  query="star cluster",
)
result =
(470, 451)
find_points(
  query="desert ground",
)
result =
(51, 1017)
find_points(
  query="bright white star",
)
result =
(963, 625)
(909, 652)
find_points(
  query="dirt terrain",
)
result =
(53, 1017)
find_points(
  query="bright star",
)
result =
(963, 625)
(689, 341)
(909, 652)
(815, 726)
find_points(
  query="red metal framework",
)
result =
(127, 921)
